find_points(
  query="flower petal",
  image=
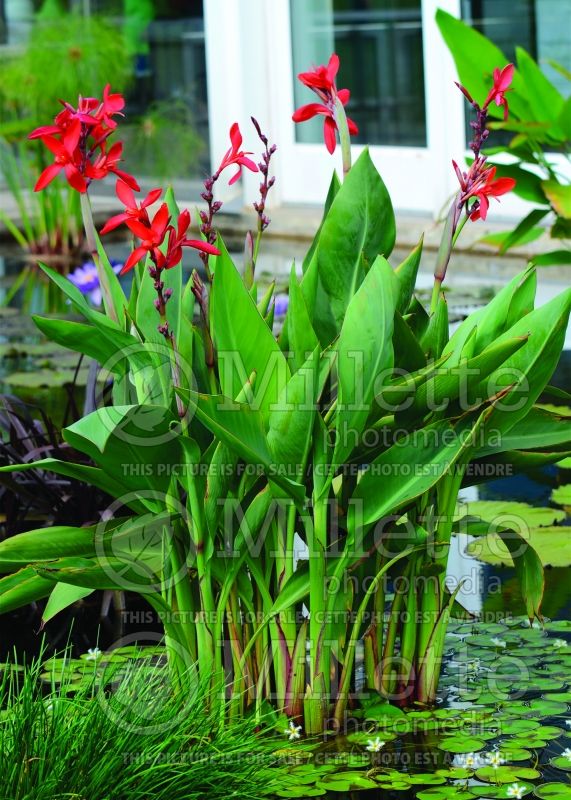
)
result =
(329, 130)
(205, 247)
(125, 194)
(113, 222)
(134, 258)
(309, 111)
(47, 176)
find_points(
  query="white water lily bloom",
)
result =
(559, 643)
(375, 745)
(293, 731)
(568, 723)
(499, 642)
(93, 654)
(469, 760)
(515, 790)
(495, 759)
(567, 753)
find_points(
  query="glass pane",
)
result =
(379, 43)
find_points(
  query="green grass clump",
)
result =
(126, 737)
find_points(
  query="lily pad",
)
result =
(561, 762)
(346, 782)
(506, 774)
(445, 793)
(562, 495)
(499, 511)
(552, 544)
(553, 791)
(462, 744)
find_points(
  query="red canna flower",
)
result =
(66, 158)
(177, 240)
(502, 80)
(106, 162)
(153, 234)
(486, 187)
(78, 139)
(112, 104)
(321, 80)
(236, 156)
(132, 211)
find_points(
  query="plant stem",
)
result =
(91, 241)
(344, 137)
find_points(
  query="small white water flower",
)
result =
(93, 654)
(469, 760)
(499, 642)
(495, 759)
(568, 723)
(375, 745)
(293, 731)
(515, 790)
(559, 643)
(567, 753)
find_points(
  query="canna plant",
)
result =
(286, 504)
(540, 129)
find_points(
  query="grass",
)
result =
(126, 738)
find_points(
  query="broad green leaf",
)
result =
(134, 445)
(301, 336)
(529, 570)
(523, 229)
(90, 574)
(545, 101)
(360, 221)
(243, 341)
(406, 273)
(88, 340)
(435, 337)
(499, 239)
(553, 258)
(365, 353)
(511, 303)
(21, 588)
(62, 596)
(81, 472)
(242, 429)
(406, 470)
(539, 429)
(526, 373)
(559, 195)
(291, 422)
(57, 541)
(476, 58)
(334, 187)
(101, 321)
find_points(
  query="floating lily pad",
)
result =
(561, 762)
(445, 793)
(553, 791)
(300, 791)
(552, 544)
(506, 774)
(346, 782)
(462, 744)
(499, 511)
(562, 495)
(364, 738)
(501, 792)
